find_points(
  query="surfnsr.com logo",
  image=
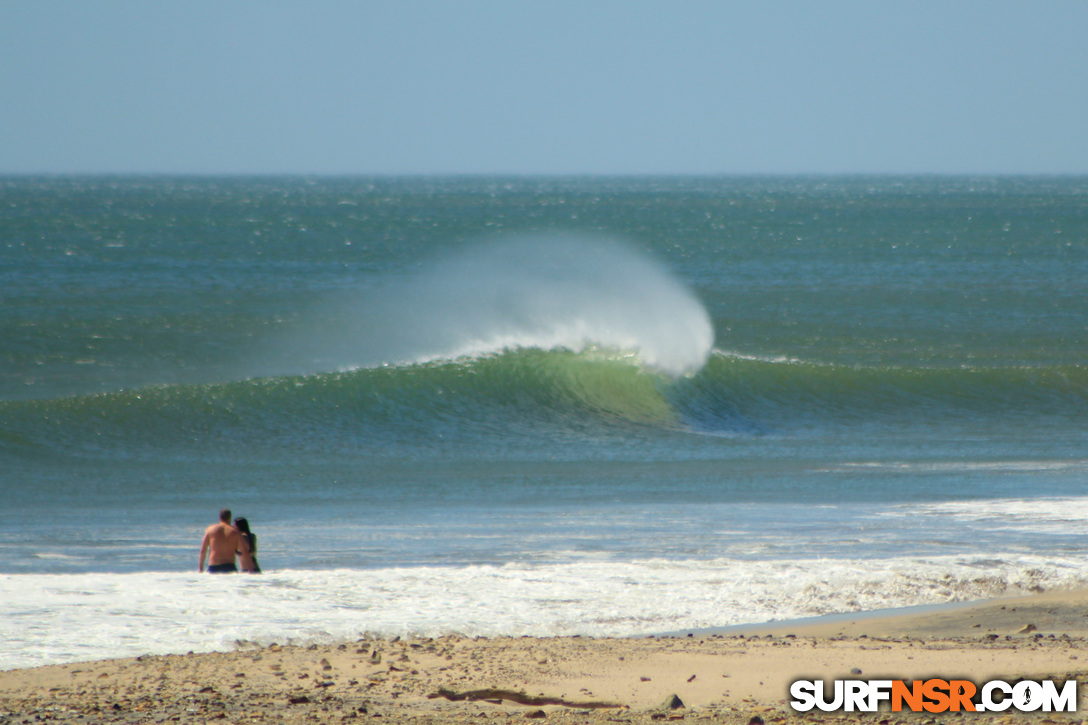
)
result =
(934, 695)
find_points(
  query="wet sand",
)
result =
(731, 675)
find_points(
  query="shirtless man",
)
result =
(222, 540)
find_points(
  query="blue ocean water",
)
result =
(532, 405)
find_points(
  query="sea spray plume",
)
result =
(548, 292)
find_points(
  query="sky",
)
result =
(544, 87)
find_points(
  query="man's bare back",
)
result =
(222, 541)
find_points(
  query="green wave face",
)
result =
(532, 399)
(785, 394)
(522, 392)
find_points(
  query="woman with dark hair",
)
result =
(248, 559)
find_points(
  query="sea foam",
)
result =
(67, 618)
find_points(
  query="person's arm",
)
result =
(203, 552)
(243, 544)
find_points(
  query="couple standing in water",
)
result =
(225, 541)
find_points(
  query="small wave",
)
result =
(1042, 514)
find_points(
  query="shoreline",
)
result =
(1056, 610)
(729, 675)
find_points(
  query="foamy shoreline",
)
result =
(62, 618)
(727, 676)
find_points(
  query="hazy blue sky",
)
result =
(524, 86)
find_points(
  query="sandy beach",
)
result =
(732, 675)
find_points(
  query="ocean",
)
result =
(544, 406)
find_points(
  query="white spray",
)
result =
(543, 292)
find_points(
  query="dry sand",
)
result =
(731, 676)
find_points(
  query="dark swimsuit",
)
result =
(252, 540)
(223, 569)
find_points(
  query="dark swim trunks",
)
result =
(222, 569)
